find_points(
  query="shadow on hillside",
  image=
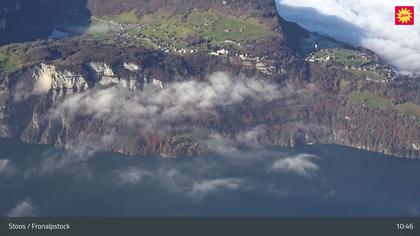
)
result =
(328, 25)
(27, 20)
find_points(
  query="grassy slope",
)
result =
(175, 30)
(343, 57)
(10, 58)
(349, 58)
(374, 101)
(409, 109)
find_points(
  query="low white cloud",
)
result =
(203, 188)
(74, 157)
(23, 209)
(254, 137)
(363, 23)
(157, 110)
(132, 175)
(5, 166)
(177, 179)
(123, 111)
(153, 109)
(220, 144)
(301, 164)
(194, 179)
(175, 101)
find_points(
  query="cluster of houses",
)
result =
(371, 64)
(172, 49)
(220, 52)
(126, 38)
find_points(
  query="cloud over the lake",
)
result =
(301, 164)
(23, 209)
(365, 23)
(202, 188)
(6, 167)
(132, 175)
(194, 179)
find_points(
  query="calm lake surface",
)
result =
(321, 180)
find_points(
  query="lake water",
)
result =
(320, 180)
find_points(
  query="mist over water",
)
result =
(321, 180)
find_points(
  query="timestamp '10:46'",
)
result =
(405, 226)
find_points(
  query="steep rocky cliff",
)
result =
(188, 77)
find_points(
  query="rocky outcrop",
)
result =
(59, 80)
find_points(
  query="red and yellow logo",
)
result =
(404, 15)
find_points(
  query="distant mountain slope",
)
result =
(144, 78)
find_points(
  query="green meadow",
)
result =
(372, 100)
(178, 30)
